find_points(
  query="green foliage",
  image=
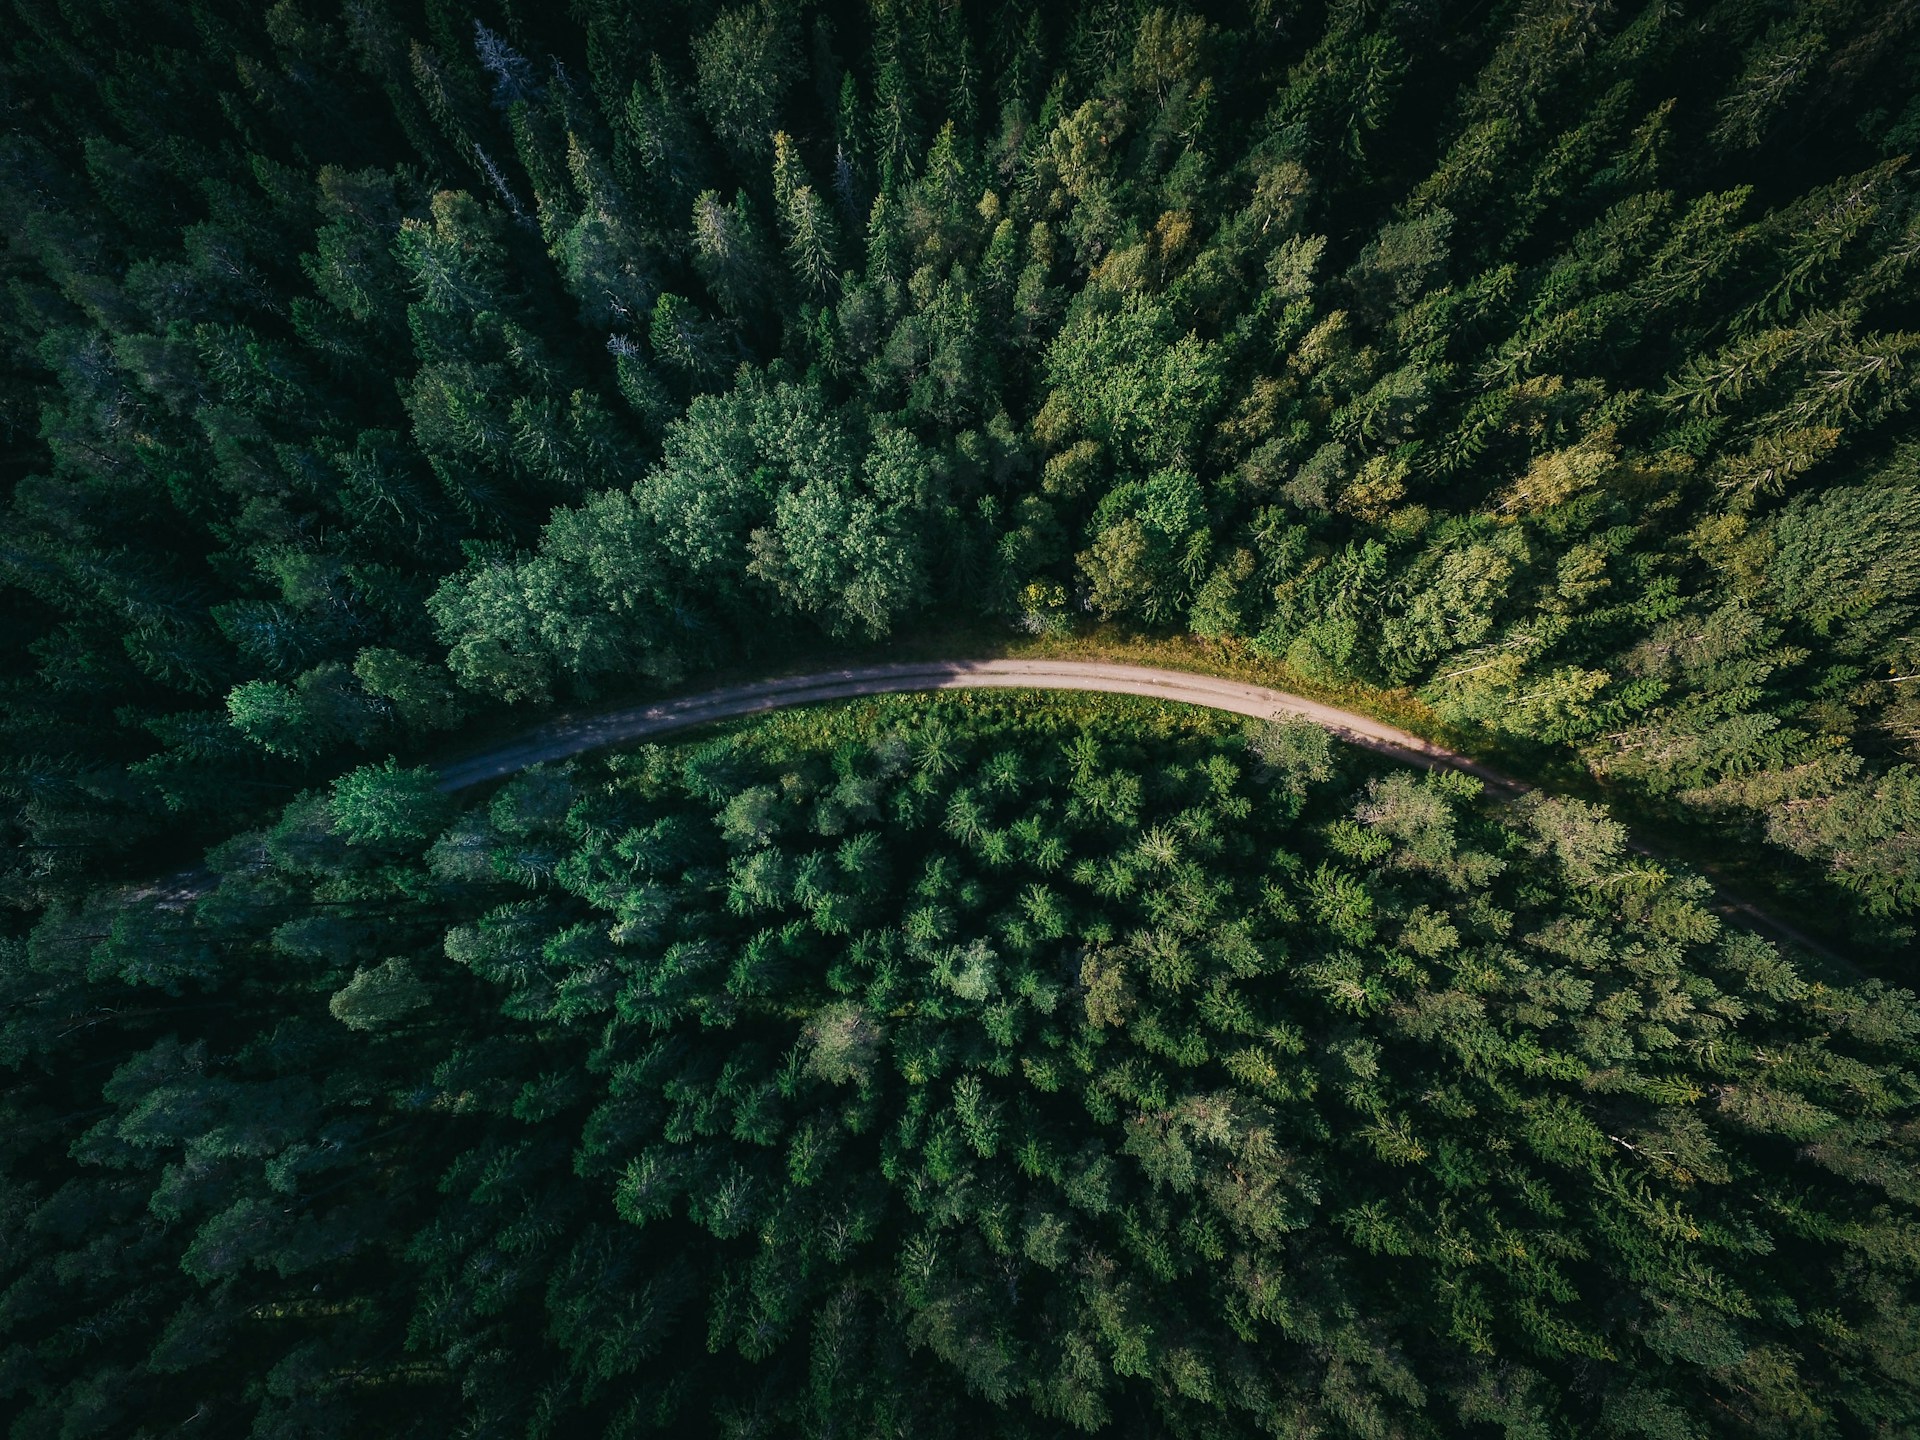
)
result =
(551, 354)
(1130, 382)
(377, 804)
(379, 998)
(988, 1065)
(371, 368)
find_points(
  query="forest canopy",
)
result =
(375, 364)
(947, 1068)
(381, 375)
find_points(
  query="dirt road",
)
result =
(558, 739)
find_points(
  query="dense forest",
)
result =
(933, 1068)
(379, 373)
(373, 363)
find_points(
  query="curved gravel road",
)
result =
(574, 736)
(558, 739)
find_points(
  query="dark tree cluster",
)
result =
(372, 362)
(946, 1069)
